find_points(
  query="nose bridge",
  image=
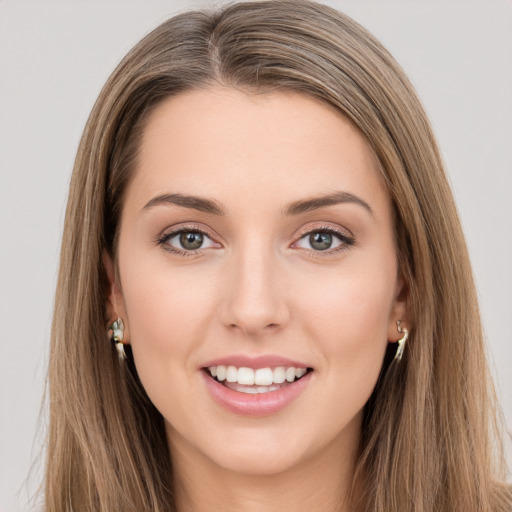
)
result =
(256, 299)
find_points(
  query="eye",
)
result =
(187, 241)
(324, 239)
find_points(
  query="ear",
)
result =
(115, 301)
(399, 310)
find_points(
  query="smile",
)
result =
(254, 381)
(255, 391)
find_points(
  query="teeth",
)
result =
(252, 390)
(290, 374)
(221, 372)
(245, 376)
(262, 377)
(278, 375)
(299, 372)
(231, 374)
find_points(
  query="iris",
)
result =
(320, 241)
(191, 240)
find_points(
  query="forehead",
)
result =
(230, 144)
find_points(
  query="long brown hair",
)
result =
(430, 439)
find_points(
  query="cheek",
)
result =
(350, 305)
(348, 319)
(168, 312)
(349, 327)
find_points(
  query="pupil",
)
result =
(320, 241)
(191, 240)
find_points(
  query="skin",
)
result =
(257, 286)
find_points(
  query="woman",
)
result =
(260, 221)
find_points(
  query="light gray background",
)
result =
(54, 58)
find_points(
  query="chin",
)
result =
(259, 462)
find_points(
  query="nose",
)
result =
(255, 301)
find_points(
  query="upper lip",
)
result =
(255, 362)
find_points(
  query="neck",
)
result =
(321, 483)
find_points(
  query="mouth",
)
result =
(257, 385)
(256, 381)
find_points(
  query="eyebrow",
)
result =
(197, 203)
(307, 205)
(211, 206)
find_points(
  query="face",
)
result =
(256, 244)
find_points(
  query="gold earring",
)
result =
(116, 337)
(402, 340)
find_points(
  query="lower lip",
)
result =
(261, 404)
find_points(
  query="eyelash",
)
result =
(163, 239)
(346, 240)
